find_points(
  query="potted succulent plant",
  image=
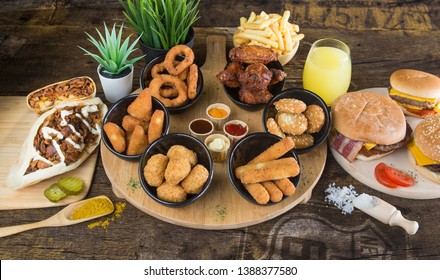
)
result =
(115, 70)
(163, 24)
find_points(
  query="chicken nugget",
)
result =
(141, 108)
(154, 170)
(116, 136)
(275, 193)
(258, 192)
(295, 124)
(179, 151)
(274, 128)
(129, 122)
(315, 117)
(302, 141)
(286, 186)
(138, 141)
(195, 180)
(155, 127)
(177, 169)
(290, 105)
(171, 193)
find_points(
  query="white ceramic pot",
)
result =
(115, 89)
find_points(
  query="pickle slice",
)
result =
(54, 193)
(71, 185)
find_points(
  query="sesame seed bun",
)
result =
(368, 117)
(427, 137)
(417, 83)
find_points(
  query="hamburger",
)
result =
(417, 92)
(367, 126)
(424, 149)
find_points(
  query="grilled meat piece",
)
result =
(434, 167)
(254, 97)
(229, 76)
(256, 77)
(252, 54)
(277, 76)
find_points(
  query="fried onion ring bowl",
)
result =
(162, 146)
(274, 89)
(309, 98)
(247, 149)
(146, 78)
(116, 114)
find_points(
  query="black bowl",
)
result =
(117, 113)
(309, 98)
(244, 151)
(274, 89)
(146, 78)
(162, 145)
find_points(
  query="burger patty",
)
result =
(409, 101)
(434, 167)
(381, 149)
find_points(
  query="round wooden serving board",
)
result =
(221, 207)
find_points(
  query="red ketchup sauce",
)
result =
(235, 129)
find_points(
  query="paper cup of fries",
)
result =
(272, 31)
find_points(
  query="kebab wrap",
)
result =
(59, 141)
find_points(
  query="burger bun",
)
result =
(416, 83)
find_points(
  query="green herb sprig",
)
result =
(162, 23)
(114, 55)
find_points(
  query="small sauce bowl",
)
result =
(218, 121)
(233, 130)
(218, 154)
(201, 128)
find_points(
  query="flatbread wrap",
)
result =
(59, 141)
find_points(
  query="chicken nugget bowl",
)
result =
(308, 98)
(274, 89)
(145, 79)
(117, 112)
(244, 151)
(162, 145)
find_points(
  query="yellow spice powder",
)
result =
(119, 208)
(93, 207)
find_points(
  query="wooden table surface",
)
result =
(38, 46)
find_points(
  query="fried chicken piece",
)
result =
(277, 76)
(252, 54)
(254, 97)
(229, 76)
(256, 77)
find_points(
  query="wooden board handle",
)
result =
(215, 52)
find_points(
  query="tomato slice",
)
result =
(379, 173)
(422, 113)
(399, 177)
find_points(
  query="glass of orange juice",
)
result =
(327, 71)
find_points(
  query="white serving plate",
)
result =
(363, 171)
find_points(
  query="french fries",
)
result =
(268, 30)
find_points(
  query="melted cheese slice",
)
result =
(421, 159)
(369, 146)
(421, 99)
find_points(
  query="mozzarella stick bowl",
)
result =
(263, 168)
(279, 118)
(176, 170)
(119, 116)
(146, 77)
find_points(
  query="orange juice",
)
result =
(327, 72)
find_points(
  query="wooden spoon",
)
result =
(62, 218)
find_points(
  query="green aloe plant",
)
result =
(113, 55)
(162, 23)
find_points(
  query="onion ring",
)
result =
(163, 80)
(179, 50)
(193, 76)
(159, 69)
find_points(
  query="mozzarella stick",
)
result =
(275, 151)
(239, 171)
(286, 186)
(275, 193)
(258, 192)
(271, 170)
